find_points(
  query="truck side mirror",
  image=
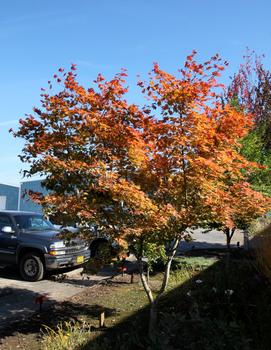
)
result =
(7, 229)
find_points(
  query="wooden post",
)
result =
(40, 300)
(102, 319)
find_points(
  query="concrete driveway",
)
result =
(17, 297)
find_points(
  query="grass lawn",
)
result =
(209, 305)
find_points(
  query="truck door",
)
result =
(8, 241)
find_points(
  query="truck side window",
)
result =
(4, 221)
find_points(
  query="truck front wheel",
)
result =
(31, 267)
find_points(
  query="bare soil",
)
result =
(85, 306)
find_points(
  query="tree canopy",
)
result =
(144, 173)
(250, 91)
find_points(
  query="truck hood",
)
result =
(42, 235)
(51, 236)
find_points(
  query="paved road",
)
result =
(213, 239)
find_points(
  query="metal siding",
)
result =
(26, 204)
(3, 202)
(12, 194)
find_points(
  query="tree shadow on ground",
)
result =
(226, 306)
(28, 319)
(188, 246)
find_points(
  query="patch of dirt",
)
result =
(84, 306)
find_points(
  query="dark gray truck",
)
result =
(32, 243)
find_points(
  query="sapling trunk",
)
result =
(148, 273)
(228, 241)
(229, 234)
(155, 300)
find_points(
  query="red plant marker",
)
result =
(40, 300)
(122, 269)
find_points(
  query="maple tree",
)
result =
(238, 205)
(144, 174)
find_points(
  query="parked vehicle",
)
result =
(33, 244)
(100, 244)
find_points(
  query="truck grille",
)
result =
(73, 247)
(74, 250)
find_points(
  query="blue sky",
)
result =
(38, 37)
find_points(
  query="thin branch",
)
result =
(232, 232)
(168, 266)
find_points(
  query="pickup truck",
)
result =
(32, 243)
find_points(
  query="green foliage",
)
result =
(154, 253)
(258, 225)
(253, 149)
(197, 263)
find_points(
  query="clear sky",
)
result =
(37, 37)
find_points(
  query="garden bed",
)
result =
(209, 305)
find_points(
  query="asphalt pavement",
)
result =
(210, 240)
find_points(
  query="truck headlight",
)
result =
(57, 252)
(54, 248)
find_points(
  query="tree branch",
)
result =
(168, 266)
(144, 281)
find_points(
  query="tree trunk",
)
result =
(168, 266)
(152, 331)
(228, 241)
(153, 320)
(144, 281)
(148, 273)
(229, 234)
(154, 304)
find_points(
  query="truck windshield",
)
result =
(32, 222)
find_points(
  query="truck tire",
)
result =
(31, 267)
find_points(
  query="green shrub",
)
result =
(258, 225)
